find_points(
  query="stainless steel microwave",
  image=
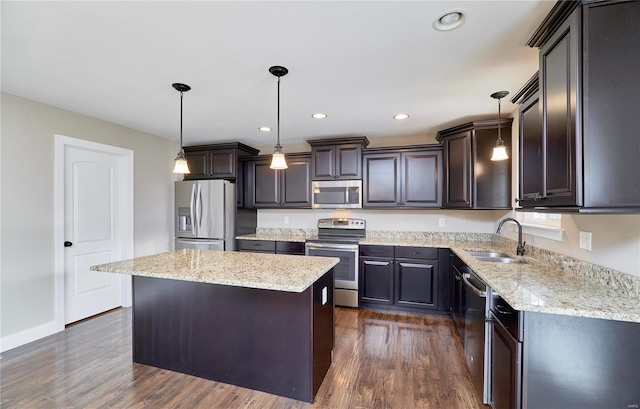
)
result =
(336, 194)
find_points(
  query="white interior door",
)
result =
(93, 213)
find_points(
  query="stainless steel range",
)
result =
(339, 237)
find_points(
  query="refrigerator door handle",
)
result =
(192, 208)
(199, 206)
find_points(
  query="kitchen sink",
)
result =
(494, 257)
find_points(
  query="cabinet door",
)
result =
(296, 184)
(611, 104)
(457, 173)
(262, 189)
(505, 368)
(559, 78)
(421, 179)
(530, 137)
(323, 162)
(416, 283)
(240, 183)
(376, 281)
(381, 185)
(223, 163)
(198, 164)
(492, 179)
(348, 161)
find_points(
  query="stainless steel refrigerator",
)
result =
(205, 213)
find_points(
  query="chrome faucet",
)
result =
(520, 250)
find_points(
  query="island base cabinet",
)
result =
(273, 341)
(580, 363)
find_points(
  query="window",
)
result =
(547, 225)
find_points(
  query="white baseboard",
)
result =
(30, 335)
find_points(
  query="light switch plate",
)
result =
(585, 240)
(441, 222)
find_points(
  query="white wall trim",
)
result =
(126, 155)
(29, 335)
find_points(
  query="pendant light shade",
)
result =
(181, 165)
(499, 151)
(277, 160)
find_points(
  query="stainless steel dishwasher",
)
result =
(476, 332)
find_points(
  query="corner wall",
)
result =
(27, 208)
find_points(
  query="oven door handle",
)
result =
(337, 246)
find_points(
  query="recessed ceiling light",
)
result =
(265, 129)
(401, 116)
(319, 115)
(449, 20)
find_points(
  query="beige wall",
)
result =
(26, 207)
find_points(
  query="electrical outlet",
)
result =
(441, 222)
(286, 220)
(585, 240)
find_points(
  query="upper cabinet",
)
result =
(337, 158)
(402, 177)
(588, 114)
(471, 179)
(530, 157)
(219, 161)
(269, 188)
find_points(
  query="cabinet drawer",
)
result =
(429, 253)
(290, 247)
(376, 251)
(266, 246)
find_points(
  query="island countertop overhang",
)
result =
(278, 272)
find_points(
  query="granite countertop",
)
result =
(278, 272)
(540, 284)
(542, 287)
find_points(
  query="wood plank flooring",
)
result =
(381, 360)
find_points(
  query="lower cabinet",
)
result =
(402, 278)
(271, 246)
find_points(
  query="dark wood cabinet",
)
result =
(377, 280)
(559, 68)
(269, 188)
(416, 283)
(530, 155)
(271, 246)
(471, 179)
(337, 158)
(219, 161)
(401, 278)
(402, 177)
(588, 107)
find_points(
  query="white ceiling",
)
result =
(360, 62)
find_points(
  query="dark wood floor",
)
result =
(381, 360)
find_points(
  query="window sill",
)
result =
(551, 233)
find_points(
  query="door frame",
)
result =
(126, 155)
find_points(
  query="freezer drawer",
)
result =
(199, 244)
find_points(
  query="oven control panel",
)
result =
(340, 223)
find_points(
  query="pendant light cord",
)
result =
(499, 138)
(181, 121)
(278, 121)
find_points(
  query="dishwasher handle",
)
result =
(476, 290)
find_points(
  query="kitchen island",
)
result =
(260, 321)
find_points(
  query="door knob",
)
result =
(68, 244)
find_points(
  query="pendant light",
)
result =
(499, 151)
(181, 165)
(277, 160)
